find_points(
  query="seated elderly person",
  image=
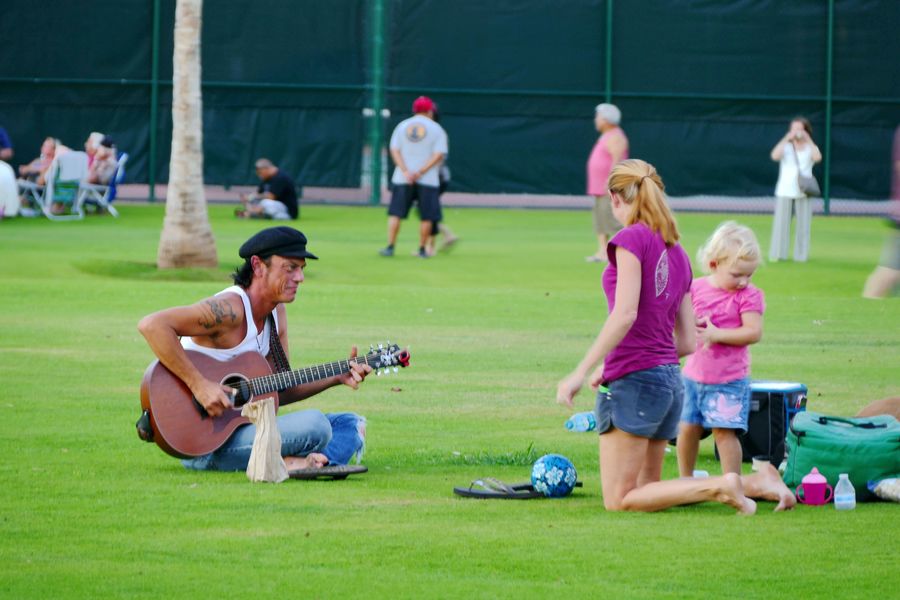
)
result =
(102, 168)
(91, 145)
(36, 169)
(275, 198)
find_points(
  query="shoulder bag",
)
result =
(808, 184)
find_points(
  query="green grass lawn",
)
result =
(89, 511)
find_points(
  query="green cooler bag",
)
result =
(866, 448)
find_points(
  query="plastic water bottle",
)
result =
(844, 493)
(583, 421)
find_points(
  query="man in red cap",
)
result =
(418, 147)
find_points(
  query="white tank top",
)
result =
(252, 342)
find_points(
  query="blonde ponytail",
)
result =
(638, 185)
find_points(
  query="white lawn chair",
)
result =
(103, 195)
(26, 189)
(66, 175)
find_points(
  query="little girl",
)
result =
(716, 376)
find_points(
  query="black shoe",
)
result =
(388, 251)
(423, 253)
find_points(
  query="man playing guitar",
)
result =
(236, 321)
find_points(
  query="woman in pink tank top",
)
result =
(611, 147)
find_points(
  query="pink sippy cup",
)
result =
(812, 490)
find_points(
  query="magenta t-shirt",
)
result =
(721, 363)
(665, 279)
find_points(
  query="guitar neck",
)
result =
(277, 382)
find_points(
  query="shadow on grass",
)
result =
(120, 269)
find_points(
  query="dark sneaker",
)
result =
(423, 253)
(388, 251)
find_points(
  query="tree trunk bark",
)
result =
(187, 239)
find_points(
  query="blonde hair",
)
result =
(730, 242)
(638, 184)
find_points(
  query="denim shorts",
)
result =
(645, 403)
(717, 405)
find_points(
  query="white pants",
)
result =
(781, 229)
(274, 209)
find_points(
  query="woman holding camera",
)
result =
(795, 153)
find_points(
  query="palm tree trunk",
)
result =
(187, 239)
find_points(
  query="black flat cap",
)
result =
(283, 241)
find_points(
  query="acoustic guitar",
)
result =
(180, 425)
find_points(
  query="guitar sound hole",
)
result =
(240, 383)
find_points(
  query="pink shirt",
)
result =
(665, 279)
(721, 363)
(600, 163)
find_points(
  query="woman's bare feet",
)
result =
(731, 493)
(767, 484)
(314, 460)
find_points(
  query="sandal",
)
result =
(327, 472)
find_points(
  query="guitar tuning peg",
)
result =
(381, 346)
(377, 373)
(386, 372)
(371, 348)
(396, 370)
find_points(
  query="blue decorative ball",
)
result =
(553, 475)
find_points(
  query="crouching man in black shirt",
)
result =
(275, 198)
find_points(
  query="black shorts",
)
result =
(405, 195)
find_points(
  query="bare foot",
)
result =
(314, 460)
(731, 493)
(768, 485)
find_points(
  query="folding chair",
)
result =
(36, 191)
(65, 177)
(103, 195)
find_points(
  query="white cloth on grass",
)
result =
(266, 462)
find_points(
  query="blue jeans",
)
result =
(338, 436)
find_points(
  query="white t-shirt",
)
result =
(418, 138)
(787, 186)
(9, 191)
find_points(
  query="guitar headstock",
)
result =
(386, 356)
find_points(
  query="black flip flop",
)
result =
(488, 487)
(327, 472)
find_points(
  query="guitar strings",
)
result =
(285, 379)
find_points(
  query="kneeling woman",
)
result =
(650, 325)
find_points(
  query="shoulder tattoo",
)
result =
(219, 311)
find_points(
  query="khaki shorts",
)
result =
(604, 221)
(890, 253)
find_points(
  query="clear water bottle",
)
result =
(583, 421)
(844, 493)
